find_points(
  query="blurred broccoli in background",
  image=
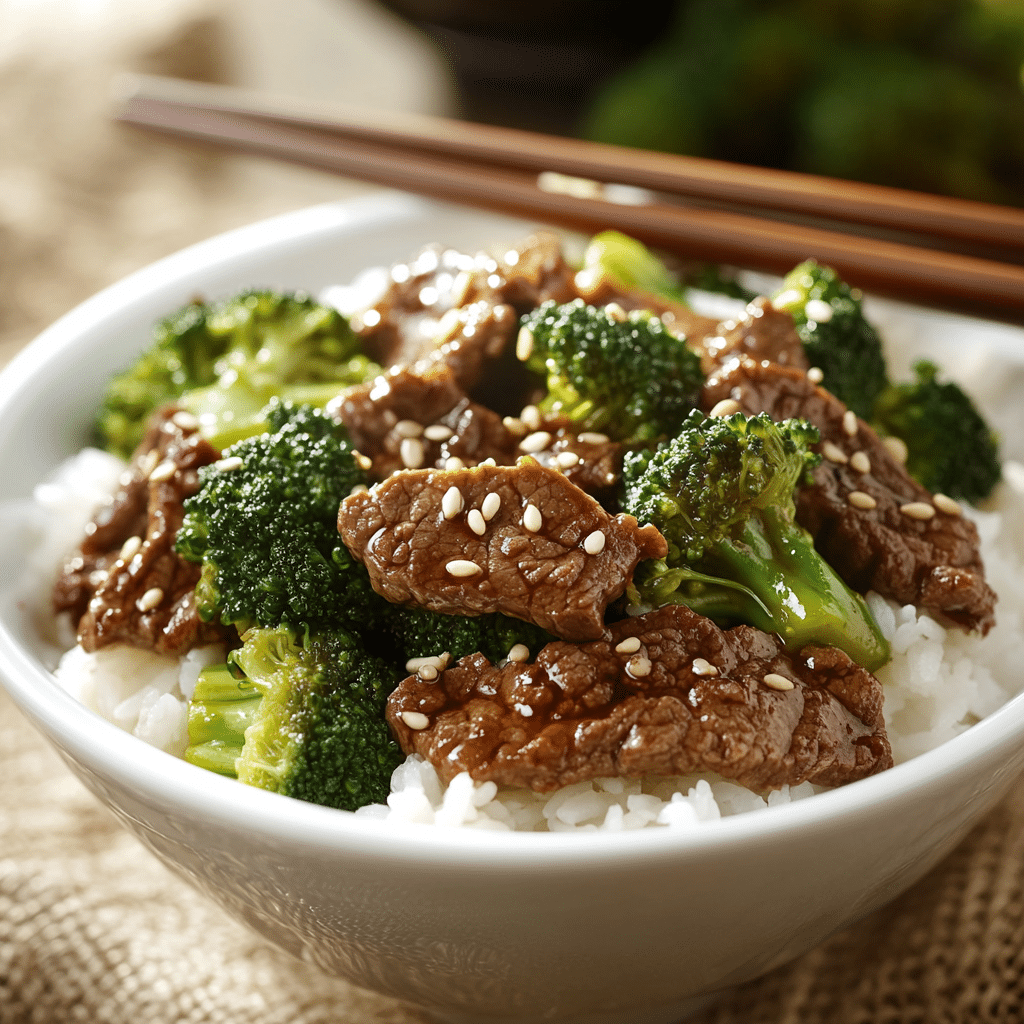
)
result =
(950, 447)
(922, 94)
(627, 377)
(225, 360)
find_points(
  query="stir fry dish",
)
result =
(532, 521)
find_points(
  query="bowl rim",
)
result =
(161, 778)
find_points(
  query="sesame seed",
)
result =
(519, 653)
(532, 520)
(530, 417)
(408, 428)
(416, 720)
(363, 461)
(777, 682)
(726, 407)
(428, 673)
(703, 667)
(918, 510)
(946, 504)
(628, 646)
(463, 567)
(638, 667)
(185, 420)
(487, 462)
(815, 374)
(164, 471)
(358, 489)
(514, 425)
(858, 499)
(535, 442)
(444, 660)
(615, 312)
(592, 437)
(98, 577)
(232, 462)
(490, 505)
(593, 544)
(897, 449)
(411, 452)
(150, 599)
(476, 522)
(148, 462)
(834, 453)
(566, 460)
(525, 710)
(415, 664)
(850, 424)
(860, 462)
(130, 548)
(437, 432)
(818, 310)
(453, 462)
(452, 503)
(524, 344)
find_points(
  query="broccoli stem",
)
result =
(805, 600)
(222, 708)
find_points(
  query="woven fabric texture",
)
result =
(92, 928)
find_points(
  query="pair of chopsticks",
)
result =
(906, 244)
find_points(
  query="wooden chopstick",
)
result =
(496, 169)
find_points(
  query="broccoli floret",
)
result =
(306, 719)
(423, 633)
(629, 378)
(835, 334)
(632, 267)
(224, 362)
(722, 493)
(266, 531)
(950, 447)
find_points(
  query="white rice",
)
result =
(939, 683)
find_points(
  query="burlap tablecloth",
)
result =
(92, 928)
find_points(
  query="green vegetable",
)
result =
(631, 266)
(924, 94)
(950, 448)
(266, 532)
(225, 361)
(422, 633)
(722, 493)
(841, 343)
(306, 721)
(630, 379)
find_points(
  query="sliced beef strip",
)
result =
(878, 527)
(539, 550)
(127, 583)
(762, 332)
(408, 420)
(460, 310)
(681, 696)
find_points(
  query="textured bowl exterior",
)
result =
(472, 926)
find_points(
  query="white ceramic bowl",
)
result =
(636, 927)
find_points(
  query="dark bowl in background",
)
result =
(534, 64)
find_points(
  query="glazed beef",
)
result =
(459, 310)
(127, 583)
(666, 693)
(763, 332)
(408, 420)
(520, 540)
(878, 527)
